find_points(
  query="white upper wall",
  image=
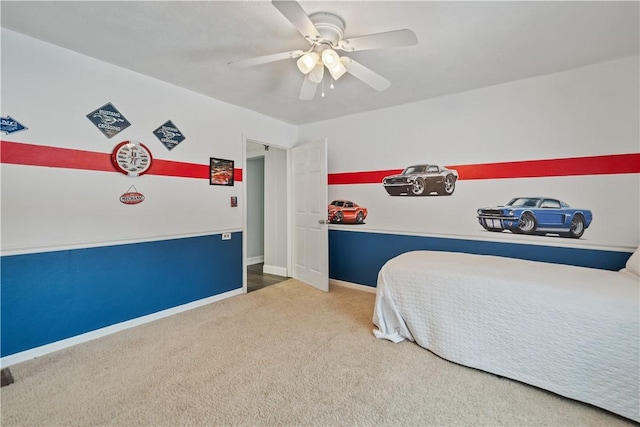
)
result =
(51, 90)
(588, 111)
(582, 112)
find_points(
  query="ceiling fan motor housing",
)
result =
(330, 27)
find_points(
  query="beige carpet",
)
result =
(284, 355)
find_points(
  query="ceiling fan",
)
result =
(324, 31)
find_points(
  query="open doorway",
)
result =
(266, 215)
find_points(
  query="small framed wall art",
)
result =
(221, 171)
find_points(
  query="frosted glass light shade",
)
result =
(307, 62)
(317, 73)
(330, 58)
(337, 70)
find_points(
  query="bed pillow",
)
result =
(633, 263)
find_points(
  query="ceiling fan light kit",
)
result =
(330, 58)
(337, 71)
(317, 74)
(307, 62)
(324, 32)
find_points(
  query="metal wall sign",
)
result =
(132, 196)
(131, 158)
(169, 135)
(9, 125)
(109, 120)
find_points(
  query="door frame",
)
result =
(257, 140)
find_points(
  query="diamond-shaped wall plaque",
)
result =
(169, 135)
(9, 125)
(109, 120)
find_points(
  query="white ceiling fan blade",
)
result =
(298, 17)
(365, 74)
(308, 89)
(380, 40)
(250, 62)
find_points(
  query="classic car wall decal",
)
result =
(345, 211)
(422, 180)
(536, 215)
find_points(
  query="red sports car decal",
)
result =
(345, 211)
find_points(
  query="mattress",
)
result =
(570, 330)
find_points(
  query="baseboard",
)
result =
(255, 260)
(365, 288)
(12, 359)
(272, 269)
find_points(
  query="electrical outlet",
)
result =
(226, 236)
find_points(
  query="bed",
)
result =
(570, 330)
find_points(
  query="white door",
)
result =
(310, 254)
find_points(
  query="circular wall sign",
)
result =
(131, 158)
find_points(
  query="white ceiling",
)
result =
(461, 45)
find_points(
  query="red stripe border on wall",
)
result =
(594, 165)
(56, 157)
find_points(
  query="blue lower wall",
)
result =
(47, 297)
(357, 257)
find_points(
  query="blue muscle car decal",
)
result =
(536, 215)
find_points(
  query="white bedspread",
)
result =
(570, 330)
